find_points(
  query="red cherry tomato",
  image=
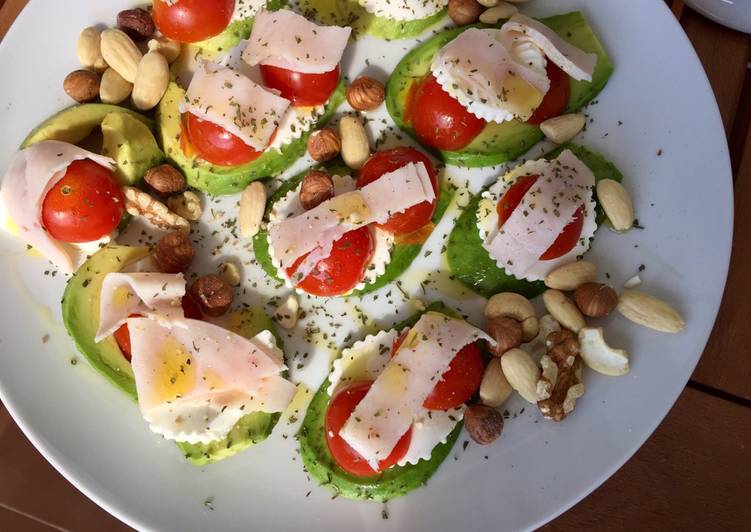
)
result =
(215, 144)
(557, 97)
(85, 205)
(459, 383)
(299, 88)
(385, 161)
(122, 334)
(439, 120)
(341, 271)
(340, 409)
(568, 237)
(192, 20)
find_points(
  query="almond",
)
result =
(82, 85)
(152, 78)
(522, 373)
(121, 53)
(484, 424)
(501, 11)
(355, 143)
(617, 204)
(136, 22)
(570, 276)
(89, 51)
(516, 306)
(113, 89)
(561, 129)
(563, 310)
(595, 299)
(494, 388)
(165, 179)
(252, 207)
(650, 311)
(168, 48)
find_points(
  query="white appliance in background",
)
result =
(734, 14)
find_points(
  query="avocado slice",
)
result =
(470, 262)
(402, 255)
(497, 143)
(130, 142)
(395, 481)
(76, 123)
(220, 180)
(236, 31)
(351, 13)
(80, 307)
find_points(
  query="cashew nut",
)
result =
(516, 306)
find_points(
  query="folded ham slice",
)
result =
(285, 39)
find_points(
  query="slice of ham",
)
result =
(228, 99)
(155, 295)
(392, 193)
(396, 397)
(32, 173)
(287, 40)
(207, 375)
(546, 209)
(575, 62)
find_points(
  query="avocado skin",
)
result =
(395, 481)
(80, 309)
(351, 13)
(75, 123)
(131, 143)
(497, 143)
(221, 180)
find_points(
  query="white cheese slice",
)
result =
(233, 101)
(245, 9)
(575, 62)
(392, 193)
(396, 397)
(155, 295)
(195, 380)
(516, 248)
(365, 361)
(32, 173)
(290, 206)
(287, 40)
(407, 10)
(482, 74)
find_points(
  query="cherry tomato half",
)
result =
(385, 161)
(85, 205)
(459, 383)
(192, 20)
(299, 88)
(122, 334)
(215, 144)
(439, 120)
(568, 237)
(556, 99)
(341, 271)
(339, 410)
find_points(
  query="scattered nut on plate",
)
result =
(230, 273)
(82, 85)
(570, 276)
(137, 23)
(121, 53)
(483, 423)
(174, 252)
(252, 207)
(501, 11)
(151, 81)
(464, 12)
(355, 143)
(213, 294)
(507, 333)
(599, 356)
(650, 311)
(522, 373)
(516, 306)
(139, 203)
(560, 383)
(286, 313)
(89, 51)
(324, 145)
(617, 204)
(167, 47)
(595, 300)
(563, 310)
(165, 179)
(187, 204)
(365, 93)
(316, 187)
(561, 129)
(494, 387)
(113, 89)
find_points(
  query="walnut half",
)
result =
(561, 382)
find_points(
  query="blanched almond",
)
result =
(89, 51)
(355, 143)
(252, 207)
(617, 204)
(501, 11)
(152, 78)
(113, 89)
(561, 129)
(571, 276)
(650, 311)
(494, 388)
(286, 313)
(563, 310)
(522, 373)
(121, 53)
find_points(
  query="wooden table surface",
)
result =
(694, 473)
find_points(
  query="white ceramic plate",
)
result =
(95, 436)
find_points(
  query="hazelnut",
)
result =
(137, 23)
(213, 294)
(316, 188)
(82, 85)
(464, 12)
(174, 252)
(484, 424)
(324, 145)
(165, 180)
(595, 299)
(507, 332)
(365, 93)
